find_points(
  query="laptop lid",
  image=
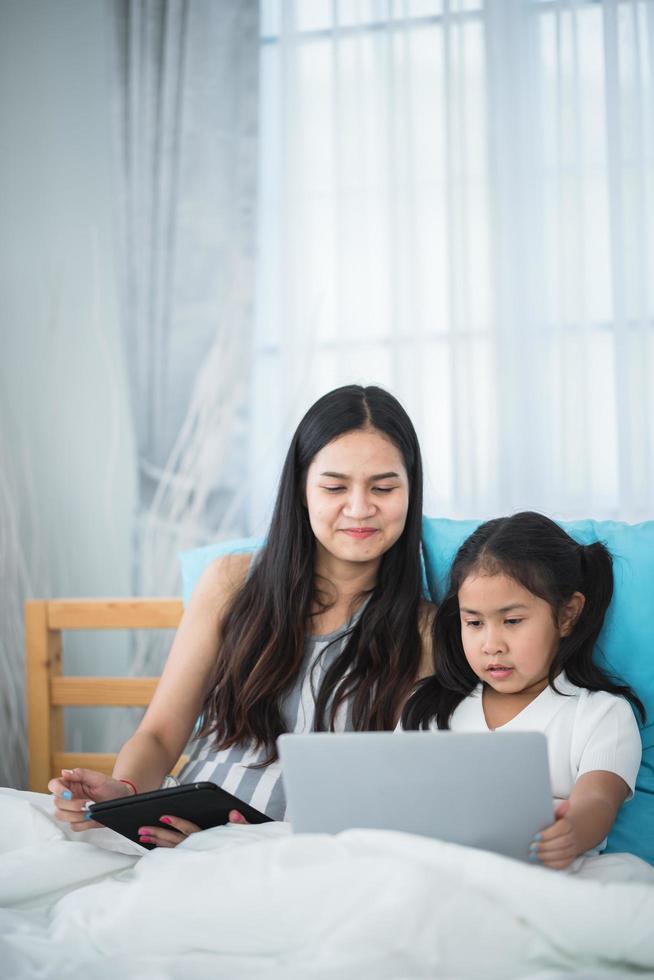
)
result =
(489, 790)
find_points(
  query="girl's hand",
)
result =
(77, 787)
(557, 846)
(179, 830)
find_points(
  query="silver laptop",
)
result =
(489, 790)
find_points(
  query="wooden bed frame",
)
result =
(48, 691)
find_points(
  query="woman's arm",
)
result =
(167, 725)
(582, 821)
(169, 720)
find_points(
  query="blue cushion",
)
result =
(625, 642)
(625, 639)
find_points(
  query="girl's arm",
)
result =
(168, 723)
(582, 821)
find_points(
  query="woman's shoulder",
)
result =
(231, 570)
(426, 616)
(221, 580)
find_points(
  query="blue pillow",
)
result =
(624, 646)
(625, 639)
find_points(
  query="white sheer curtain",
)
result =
(188, 79)
(457, 202)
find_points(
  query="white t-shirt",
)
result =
(585, 730)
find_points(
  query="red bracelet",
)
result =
(129, 783)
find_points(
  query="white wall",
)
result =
(68, 457)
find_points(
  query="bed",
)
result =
(242, 901)
(258, 901)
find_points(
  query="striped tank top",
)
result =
(232, 768)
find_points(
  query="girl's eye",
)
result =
(333, 489)
(473, 623)
(512, 622)
(383, 489)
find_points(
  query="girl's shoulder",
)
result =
(592, 706)
(604, 735)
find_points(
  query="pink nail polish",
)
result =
(144, 830)
(165, 820)
(145, 840)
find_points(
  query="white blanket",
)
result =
(258, 901)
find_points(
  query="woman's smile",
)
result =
(360, 532)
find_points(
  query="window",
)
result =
(456, 203)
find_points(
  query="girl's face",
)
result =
(357, 496)
(510, 636)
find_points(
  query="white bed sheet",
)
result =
(258, 901)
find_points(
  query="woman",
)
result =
(324, 629)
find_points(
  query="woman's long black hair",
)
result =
(545, 560)
(263, 633)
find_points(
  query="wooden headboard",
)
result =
(49, 691)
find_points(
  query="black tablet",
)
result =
(205, 804)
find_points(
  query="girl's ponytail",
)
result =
(596, 566)
(575, 653)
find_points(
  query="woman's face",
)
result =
(357, 496)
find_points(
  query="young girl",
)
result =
(513, 650)
(321, 631)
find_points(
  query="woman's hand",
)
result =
(179, 830)
(163, 837)
(557, 846)
(75, 788)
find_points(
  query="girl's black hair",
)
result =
(545, 560)
(263, 632)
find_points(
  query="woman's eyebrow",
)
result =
(378, 476)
